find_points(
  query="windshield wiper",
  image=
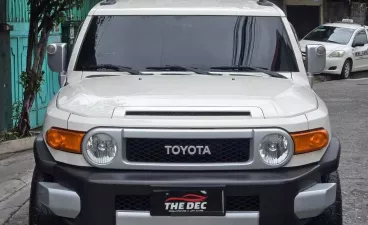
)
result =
(250, 68)
(101, 75)
(179, 68)
(333, 41)
(113, 67)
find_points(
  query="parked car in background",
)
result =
(346, 45)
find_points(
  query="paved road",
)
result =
(15, 177)
(348, 107)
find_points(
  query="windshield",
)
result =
(139, 42)
(337, 35)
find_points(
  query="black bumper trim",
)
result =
(44, 160)
(276, 188)
(331, 159)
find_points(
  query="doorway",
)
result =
(304, 18)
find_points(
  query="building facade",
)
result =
(306, 15)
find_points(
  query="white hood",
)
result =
(99, 97)
(330, 47)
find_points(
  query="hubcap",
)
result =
(347, 70)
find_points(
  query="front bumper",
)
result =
(286, 195)
(334, 65)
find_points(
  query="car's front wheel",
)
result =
(333, 214)
(346, 69)
(38, 213)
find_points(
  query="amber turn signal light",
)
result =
(65, 140)
(309, 141)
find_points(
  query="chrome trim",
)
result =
(120, 161)
(144, 218)
(183, 134)
(60, 200)
(313, 201)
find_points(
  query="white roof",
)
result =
(187, 7)
(345, 25)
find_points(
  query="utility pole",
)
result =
(5, 74)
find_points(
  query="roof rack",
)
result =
(108, 2)
(264, 3)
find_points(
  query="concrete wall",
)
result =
(307, 3)
(335, 11)
(279, 3)
(358, 12)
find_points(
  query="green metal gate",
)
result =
(18, 16)
(18, 45)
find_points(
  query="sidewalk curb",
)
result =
(18, 145)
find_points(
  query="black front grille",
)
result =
(242, 203)
(132, 202)
(154, 150)
(142, 203)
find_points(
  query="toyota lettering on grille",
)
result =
(187, 150)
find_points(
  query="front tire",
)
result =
(346, 69)
(38, 213)
(333, 214)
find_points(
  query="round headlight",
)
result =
(274, 149)
(101, 149)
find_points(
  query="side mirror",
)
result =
(358, 44)
(57, 59)
(315, 58)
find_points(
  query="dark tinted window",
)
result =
(198, 41)
(337, 35)
(361, 37)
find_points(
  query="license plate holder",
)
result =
(187, 203)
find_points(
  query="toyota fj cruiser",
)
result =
(186, 112)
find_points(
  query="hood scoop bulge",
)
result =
(187, 113)
(174, 112)
(187, 97)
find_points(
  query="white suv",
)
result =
(186, 112)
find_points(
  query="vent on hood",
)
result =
(185, 113)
